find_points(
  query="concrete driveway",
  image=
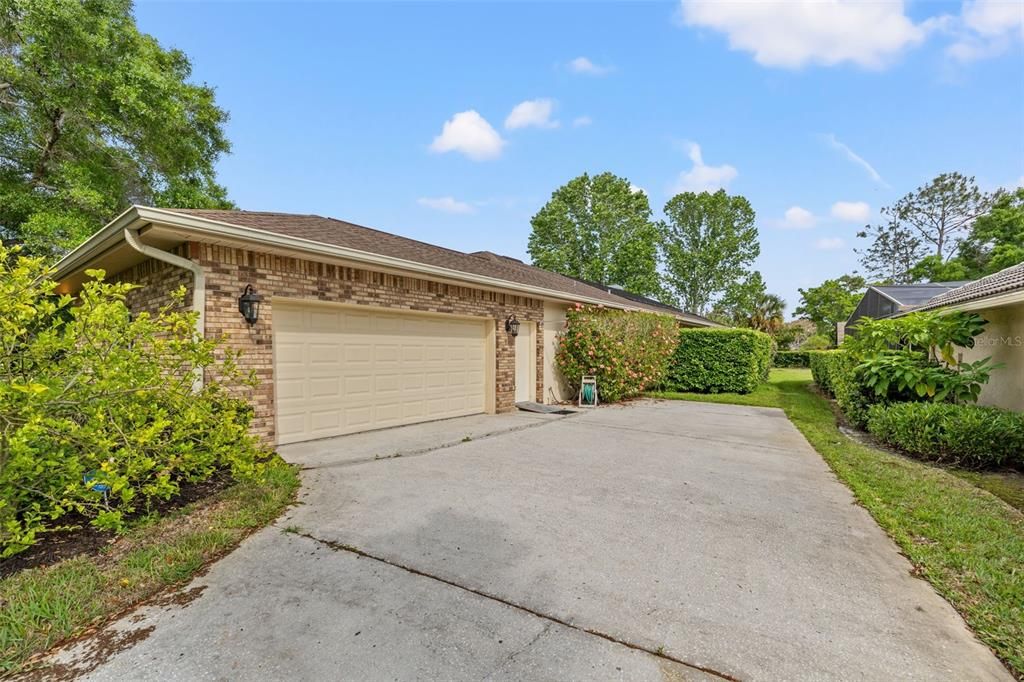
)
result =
(663, 541)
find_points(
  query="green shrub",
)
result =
(627, 351)
(95, 396)
(816, 342)
(834, 372)
(966, 435)
(823, 367)
(793, 358)
(720, 361)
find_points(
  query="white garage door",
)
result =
(340, 370)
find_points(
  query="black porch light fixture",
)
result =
(249, 304)
(512, 325)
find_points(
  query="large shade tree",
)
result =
(831, 302)
(996, 240)
(709, 244)
(598, 228)
(94, 116)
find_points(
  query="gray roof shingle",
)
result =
(341, 233)
(1004, 281)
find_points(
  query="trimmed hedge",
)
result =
(824, 366)
(966, 435)
(793, 358)
(720, 361)
(833, 372)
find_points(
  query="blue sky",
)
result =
(340, 109)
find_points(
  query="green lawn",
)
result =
(967, 542)
(41, 607)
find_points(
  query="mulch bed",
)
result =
(85, 540)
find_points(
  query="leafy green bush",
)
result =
(905, 359)
(966, 435)
(816, 342)
(93, 397)
(720, 360)
(834, 372)
(793, 358)
(824, 366)
(907, 375)
(626, 350)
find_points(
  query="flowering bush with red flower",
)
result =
(628, 351)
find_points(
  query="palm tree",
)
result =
(767, 312)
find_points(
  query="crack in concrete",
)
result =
(539, 421)
(657, 653)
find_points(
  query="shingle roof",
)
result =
(916, 294)
(340, 233)
(1004, 281)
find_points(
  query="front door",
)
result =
(526, 363)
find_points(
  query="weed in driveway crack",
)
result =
(659, 652)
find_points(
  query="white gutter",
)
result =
(198, 283)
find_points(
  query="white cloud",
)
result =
(798, 218)
(585, 66)
(703, 178)
(636, 189)
(829, 243)
(794, 33)
(532, 112)
(851, 211)
(581, 121)
(445, 204)
(855, 158)
(986, 28)
(470, 133)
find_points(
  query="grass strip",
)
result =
(41, 607)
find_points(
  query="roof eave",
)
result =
(136, 216)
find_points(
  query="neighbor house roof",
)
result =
(337, 238)
(911, 295)
(1007, 281)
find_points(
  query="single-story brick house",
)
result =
(999, 298)
(358, 329)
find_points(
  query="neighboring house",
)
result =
(358, 329)
(999, 298)
(888, 300)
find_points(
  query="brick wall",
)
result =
(229, 270)
(156, 281)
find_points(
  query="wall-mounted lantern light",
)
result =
(249, 304)
(512, 325)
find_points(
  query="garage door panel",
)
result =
(324, 387)
(341, 371)
(387, 383)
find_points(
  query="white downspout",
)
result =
(198, 283)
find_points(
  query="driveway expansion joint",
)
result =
(440, 446)
(658, 653)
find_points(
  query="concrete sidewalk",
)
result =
(655, 541)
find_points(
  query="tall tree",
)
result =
(831, 302)
(893, 252)
(598, 229)
(94, 116)
(941, 212)
(748, 304)
(709, 242)
(996, 240)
